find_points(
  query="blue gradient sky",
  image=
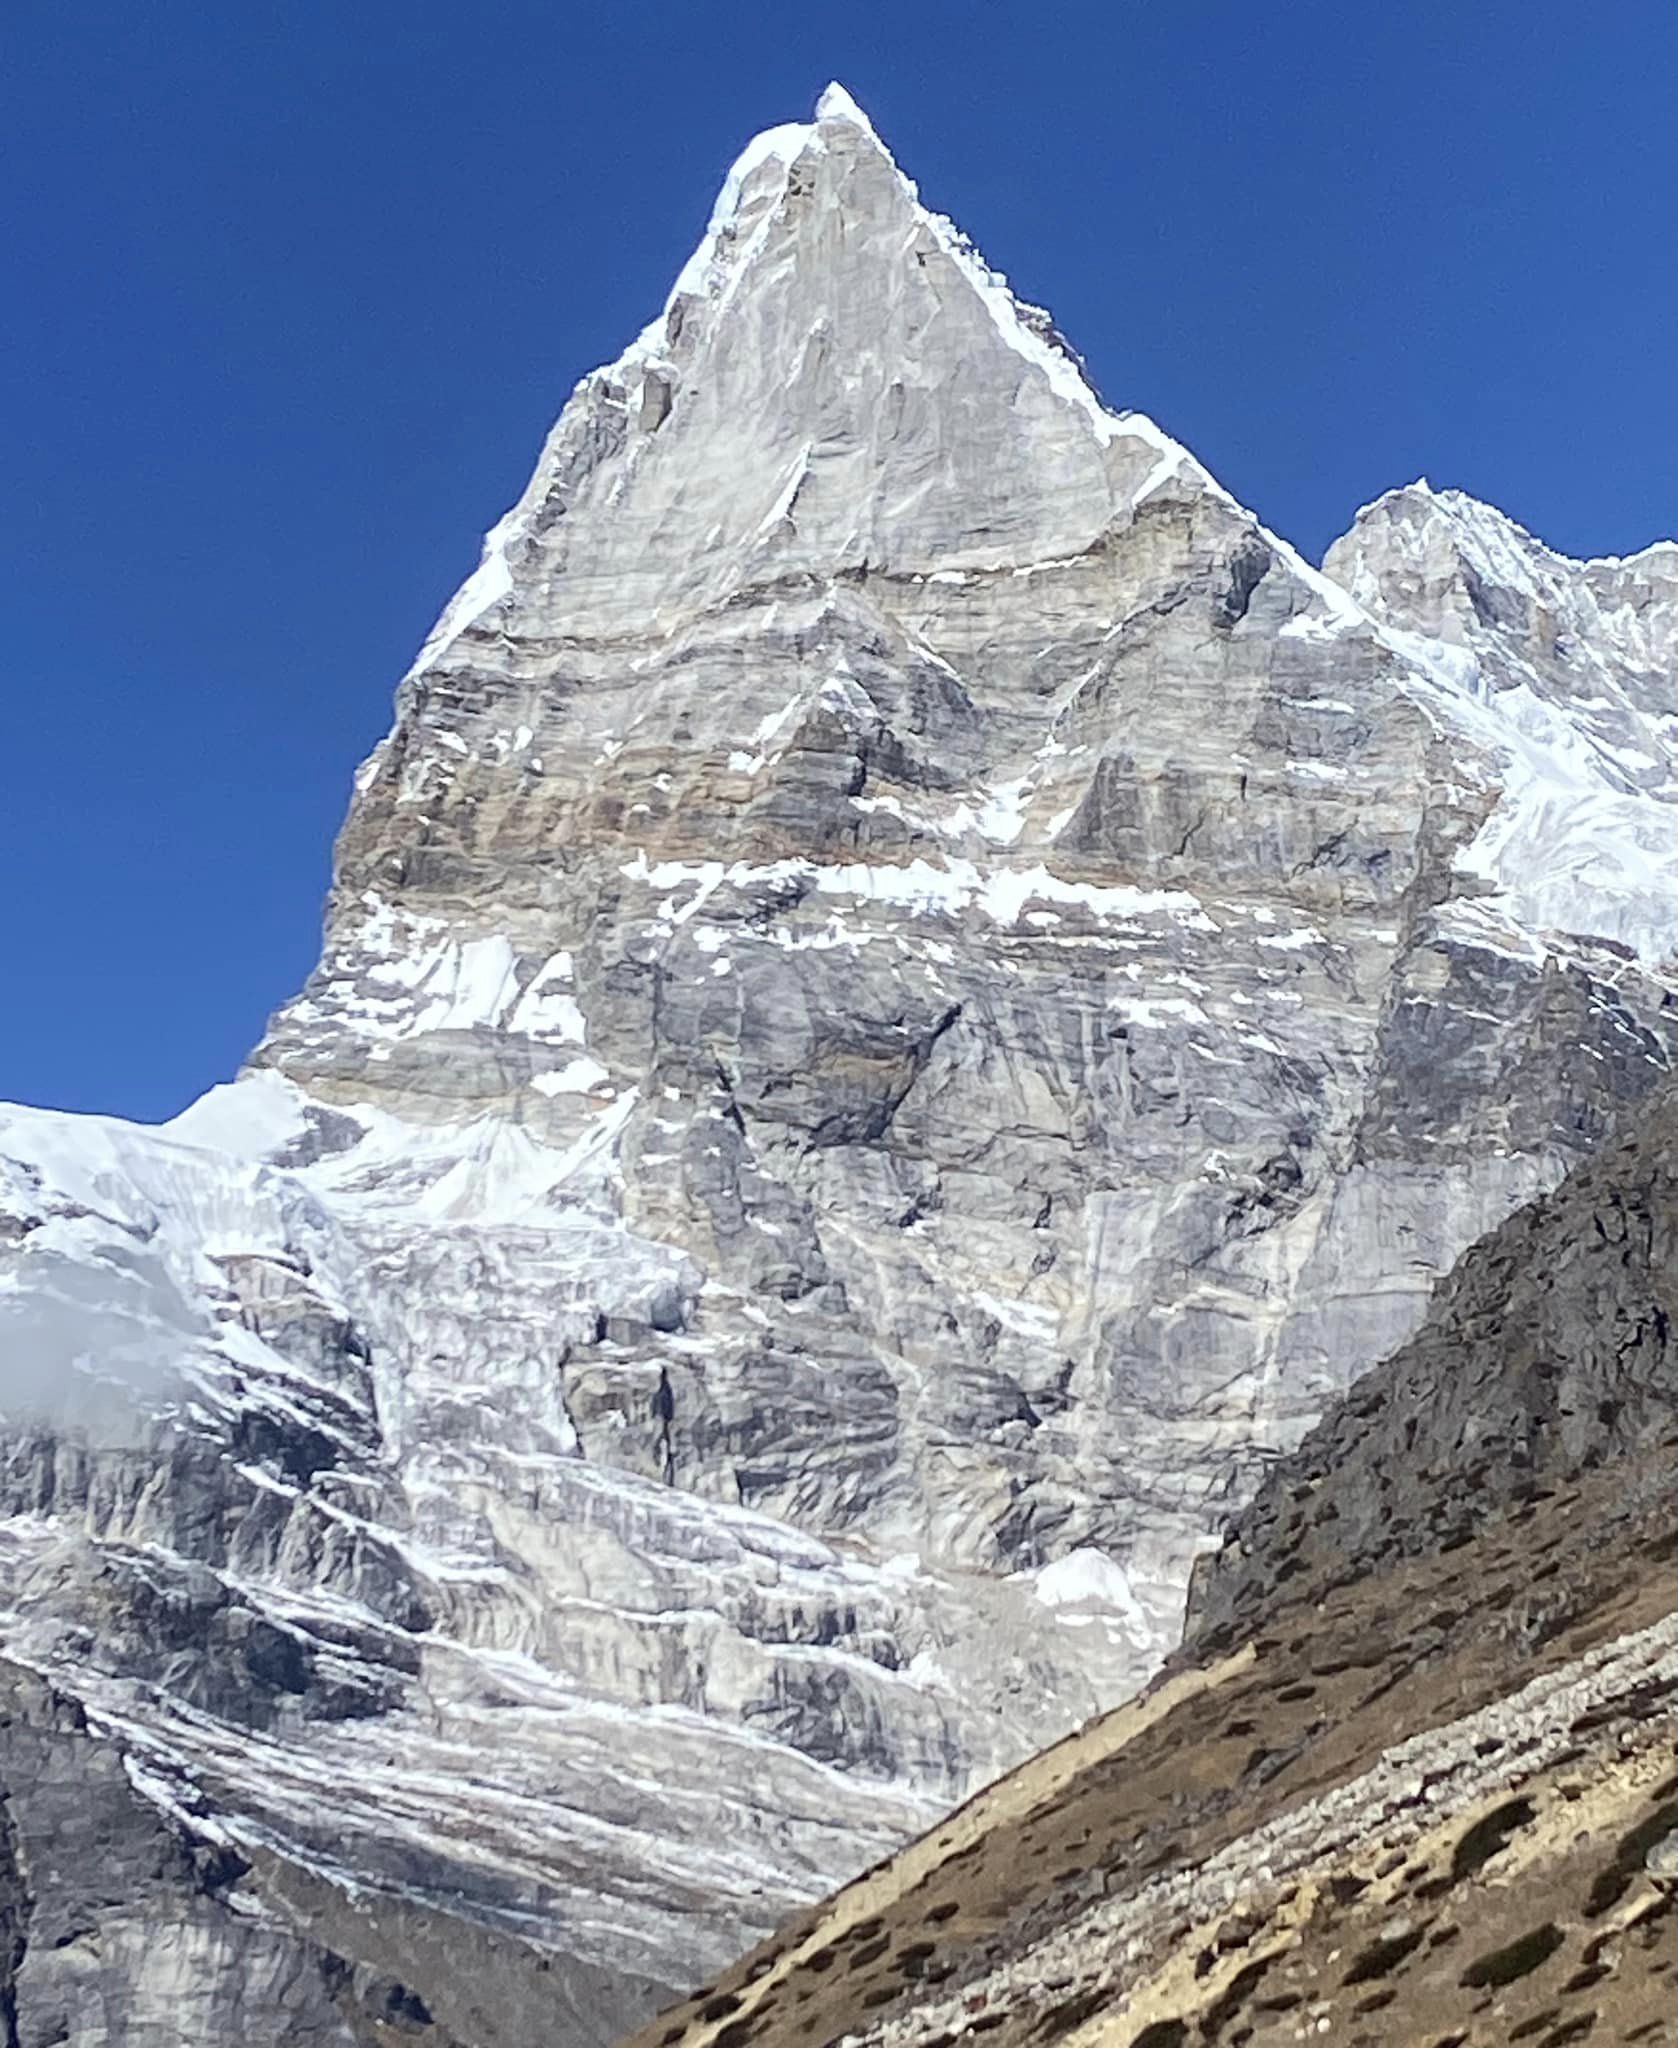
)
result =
(291, 292)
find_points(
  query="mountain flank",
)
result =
(1414, 1775)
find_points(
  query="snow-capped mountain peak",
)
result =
(886, 1001)
(839, 352)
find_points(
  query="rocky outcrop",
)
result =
(910, 995)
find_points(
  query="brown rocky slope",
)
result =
(1413, 1778)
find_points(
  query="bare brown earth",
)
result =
(1421, 1788)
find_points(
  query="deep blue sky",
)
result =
(290, 290)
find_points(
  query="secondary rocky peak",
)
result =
(1564, 669)
(1445, 563)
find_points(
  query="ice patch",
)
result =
(766, 728)
(486, 587)
(1025, 1318)
(1154, 1014)
(1089, 1578)
(1318, 626)
(442, 984)
(1000, 818)
(547, 1009)
(246, 1119)
(576, 1077)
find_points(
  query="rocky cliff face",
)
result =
(1412, 1777)
(119, 1925)
(909, 996)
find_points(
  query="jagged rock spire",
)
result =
(837, 383)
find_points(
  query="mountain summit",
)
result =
(838, 385)
(908, 997)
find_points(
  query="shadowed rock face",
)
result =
(1413, 1778)
(909, 996)
(117, 1925)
